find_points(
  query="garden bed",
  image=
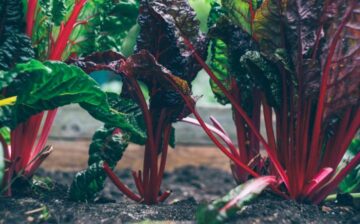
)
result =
(190, 185)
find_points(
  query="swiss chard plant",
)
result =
(296, 64)
(161, 60)
(53, 31)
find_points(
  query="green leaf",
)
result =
(107, 28)
(232, 43)
(58, 11)
(223, 209)
(132, 109)
(54, 11)
(15, 47)
(11, 17)
(216, 12)
(267, 26)
(219, 62)
(101, 25)
(351, 182)
(240, 12)
(266, 76)
(108, 145)
(220, 66)
(202, 9)
(5, 133)
(56, 84)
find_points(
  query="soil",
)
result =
(190, 186)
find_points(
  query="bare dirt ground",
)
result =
(195, 174)
(73, 155)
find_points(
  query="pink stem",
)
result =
(65, 33)
(235, 104)
(335, 182)
(119, 184)
(218, 132)
(218, 126)
(30, 14)
(315, 144)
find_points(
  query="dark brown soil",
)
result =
(190, 186)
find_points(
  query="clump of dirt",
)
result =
(190, 186)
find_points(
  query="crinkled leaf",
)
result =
(225, 208)
(17, 76)
(58, 11)
(220, 66)
(162, 25)
(101, 24)
(344, 80)
(302, 19)
(108, 24)
(266, 76)
(108, 145)
(57, 84)
(54, 11)
(237, 43)
(242, 12)
(267, 26)
(219, 56)
(15, 47)
(115, 22)
(106, 60)
(216, 12)
(351, 182)
(145, 68)
(11, 18)
(141, 66)
(133, 111)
